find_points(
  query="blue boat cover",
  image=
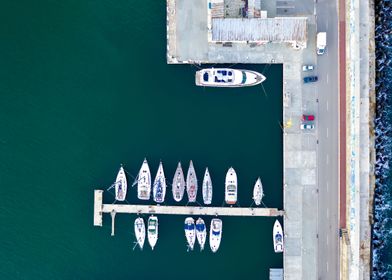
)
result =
(189, 226)
(215, 232)
(200, 227)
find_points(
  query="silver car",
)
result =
(307, 68)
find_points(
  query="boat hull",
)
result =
(178, 184)
(201, 233)
(140, 232)
(191, 183)
(121, 185)
(159, 190)
(227, 77)
(207, 188)
(215, 234)
(190, 232)
(277, 237)
(152, 231)
(258, 192)
(231, 187)
(144, 182)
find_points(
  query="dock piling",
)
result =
(113, 215)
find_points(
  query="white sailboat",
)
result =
(178, 184)
(201, 233)
(231, 186)
(152, 231)
(258, 192)
(121, 185)
(207, 188)
(278, 237)
(227, 77)
(190, 232)
(215, 234)
(159, 189)
(144, 182)
(140, 232)
(191, 183)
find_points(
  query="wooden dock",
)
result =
(100, 208)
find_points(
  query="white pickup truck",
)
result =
(321, 42)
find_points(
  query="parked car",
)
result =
(306, 68)
(308, 118)
(310, 79)
(307, 126)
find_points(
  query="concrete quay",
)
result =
(100, 208)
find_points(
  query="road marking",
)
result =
(327, 213)
(327, 78)
(327, 239)
(327, 159)
(327, 105)
(327, 266)
(327, 186)
(327, 132)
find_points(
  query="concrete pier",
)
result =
(100, 208)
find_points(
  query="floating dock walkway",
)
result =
(100, 208)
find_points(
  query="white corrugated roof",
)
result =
(287, 29)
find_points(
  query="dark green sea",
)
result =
(84, 87)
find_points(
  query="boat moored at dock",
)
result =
(278, 237)
(201, 233)
(159, 190)
(258, 192)
(215, 234)
(191, 183)
(207, 188)
(121, 185)
(152, 231)
(144, 182)
(178, 184)
(231, 187)
(190, 232)
(227, 77)
(140, 232)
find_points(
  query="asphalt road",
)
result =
(327, 152)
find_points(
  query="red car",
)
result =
(308, 118)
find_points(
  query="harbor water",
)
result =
(84, 87)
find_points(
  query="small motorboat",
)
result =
(231, 187)
(190, 232)
(152, 231)
(201, 233)
(278, 237)
(215, 234)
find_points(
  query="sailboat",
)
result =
(231, 186)
(191, 183)
(258, 192)
(152, 231)
(215, 234)
(201, 233)
(159, 189)
(178, 184)
(207, 188)
(190, 232)
(121, 185)
(278, 237)
(140, 232)
(144, 182)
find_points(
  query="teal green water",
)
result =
(84, 86)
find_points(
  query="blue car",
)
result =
(310, 79)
